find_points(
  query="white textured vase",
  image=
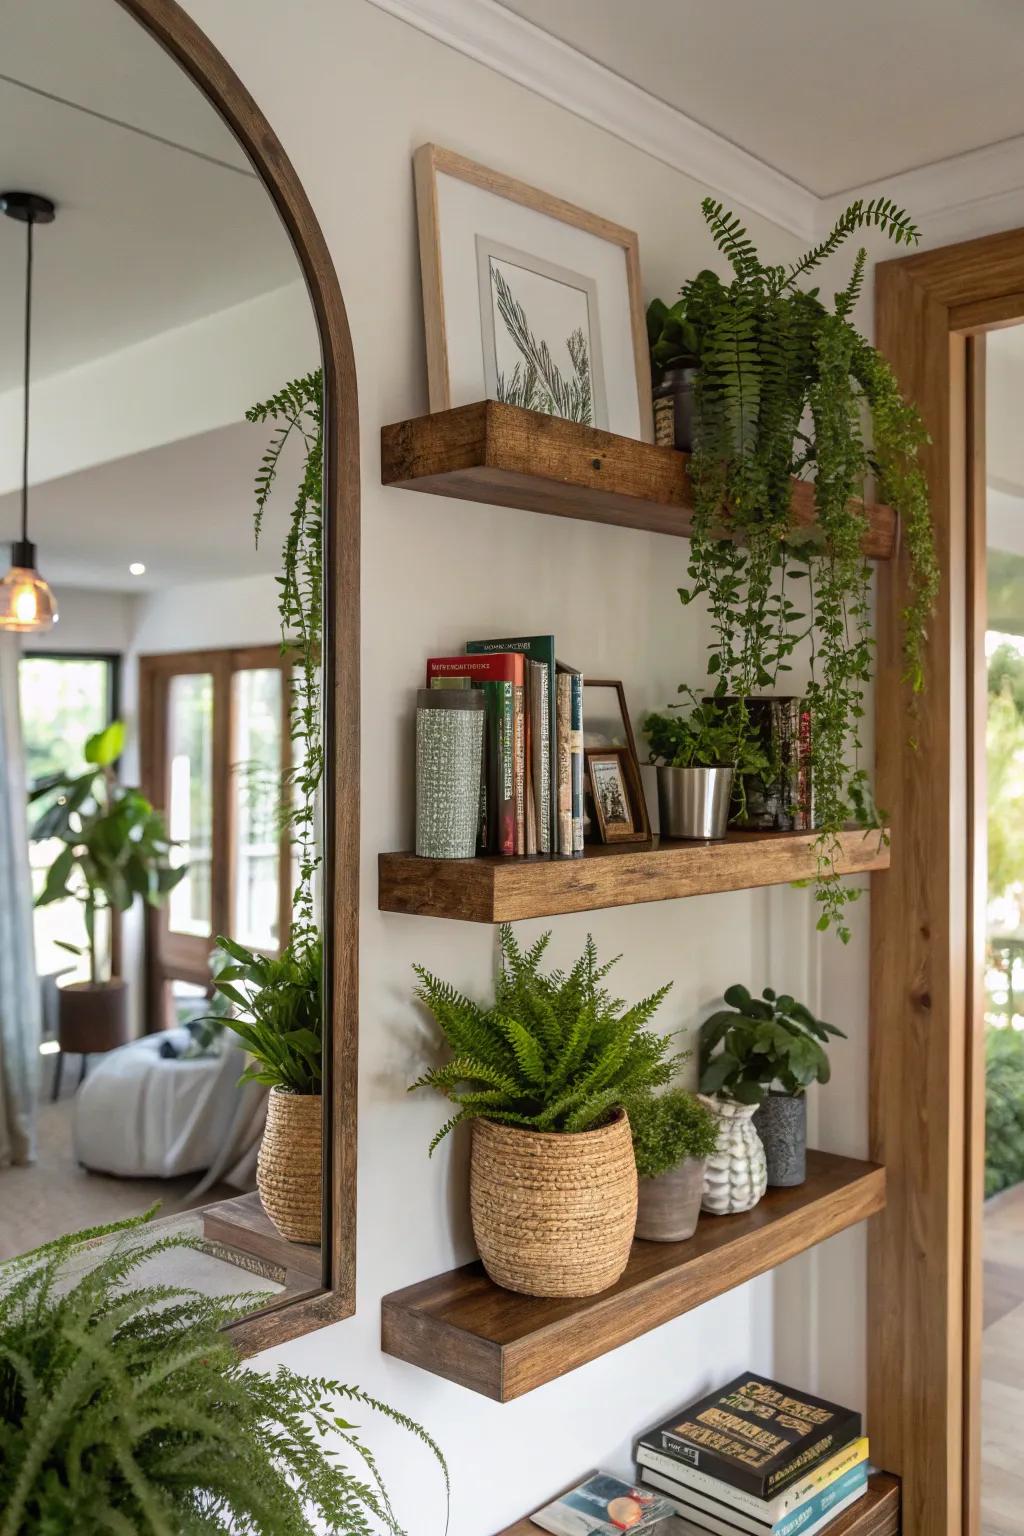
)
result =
(735, 1176)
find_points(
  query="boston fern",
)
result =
(124, 1409)
(783, 387)
(552, 1053)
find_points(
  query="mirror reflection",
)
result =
(161, 1027)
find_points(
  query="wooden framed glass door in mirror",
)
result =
(210, 1014)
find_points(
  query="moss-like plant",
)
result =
(757, 1041)
(125, 1410)
(552, 1052)
(783, 386)
(668, 1128)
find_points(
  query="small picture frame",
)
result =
(617, 805)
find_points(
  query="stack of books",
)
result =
(757, 1459)
(532, 793)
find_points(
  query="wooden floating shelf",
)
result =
(509, 457)
(876, 1514)
(490, 889)
(462, 1326)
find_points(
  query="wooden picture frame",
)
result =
(625, 751)
(431, 161)
(625, 784)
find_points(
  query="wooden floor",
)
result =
(1002, 1488)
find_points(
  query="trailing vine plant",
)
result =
(783, 388)
(297, 411)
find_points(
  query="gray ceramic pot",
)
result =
(781, 1123)
(694, 802)
(669, 1205)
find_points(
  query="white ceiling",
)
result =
(833, 96)
(151, 232)
(184, 510)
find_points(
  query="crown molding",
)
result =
(523, 52)
(970, 194)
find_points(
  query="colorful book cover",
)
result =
(603, 1506)
(756, 1434)
(812, 1520)
(766, 1512)
(792, 1522)
(497, 675)
(563, 733)
(540, 751)
(519, 722)
(540, 648)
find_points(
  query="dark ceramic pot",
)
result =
(781, 1123)
(93, 1017)
(668, 1206)
(673, 409)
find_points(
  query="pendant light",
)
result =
(26, 602)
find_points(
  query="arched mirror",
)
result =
(178, 657)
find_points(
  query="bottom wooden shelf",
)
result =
(876, 1514)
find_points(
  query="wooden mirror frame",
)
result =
(178, 35)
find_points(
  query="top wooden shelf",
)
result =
(508, 457)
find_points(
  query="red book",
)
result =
(499, 674)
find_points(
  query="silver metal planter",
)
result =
(694, 802)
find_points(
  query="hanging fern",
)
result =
(124, 1409)
(297, 411)
(783, 387)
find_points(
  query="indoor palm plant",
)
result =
(754, 1044)
(544, 1073)
(124, 1408)
(783, 386)
(673, 1136)
(115, 848)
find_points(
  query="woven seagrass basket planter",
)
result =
(289, 1168)
(553, 1215)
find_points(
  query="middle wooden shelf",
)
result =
(505, 890)
(462, 1326)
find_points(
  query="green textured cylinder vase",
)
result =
(449, 755)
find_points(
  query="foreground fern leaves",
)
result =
(551, 1053)
(124, 1409)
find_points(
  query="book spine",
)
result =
(728, 1524)
(563, 728)
(821, 1502)
(804, 817)
(506, 786)
(519, 765)
(576, 750)
(540, 752)
(714, 1466)
(528, 793)
(767, 1511)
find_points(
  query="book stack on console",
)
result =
(532, 794)
(757, 1459)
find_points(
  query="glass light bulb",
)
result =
(26, 602)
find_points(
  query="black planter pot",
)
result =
(673, 409)
(781, 1123)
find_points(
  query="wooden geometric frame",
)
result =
(927, 910)
(176, 32)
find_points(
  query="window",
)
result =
(215, 755)
(63, 700)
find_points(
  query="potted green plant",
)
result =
(124, 1407)
(544, 1073)
(782, 389)
(674, 345)
(278, 1016)
(703, 755)
(673, 1136)
(754, 1044)
(115, 848)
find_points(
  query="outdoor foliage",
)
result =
(1004, 1109)
(783, 385)
(759, 1041)
(125, 1410)
(551, 1053)
(668, 1127)
(1005, 763)
(278, 1012)
(115, 844)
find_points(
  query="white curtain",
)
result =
(19, 986)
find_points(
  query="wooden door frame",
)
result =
(927, 910)
(176, 32)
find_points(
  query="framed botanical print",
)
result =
(528, 299)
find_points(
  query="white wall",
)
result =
(88, 620)
(352, 92)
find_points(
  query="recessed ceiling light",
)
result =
(137, 568)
